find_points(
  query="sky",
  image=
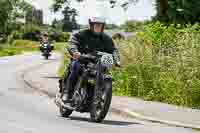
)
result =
(143, 10)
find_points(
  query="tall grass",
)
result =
(162, 64)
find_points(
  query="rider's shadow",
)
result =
(106, 122)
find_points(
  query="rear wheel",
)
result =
(101, 102)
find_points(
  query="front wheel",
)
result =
(101, 102)
(46, 57)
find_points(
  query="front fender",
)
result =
(108, 82)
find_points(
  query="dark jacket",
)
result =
(86, 41)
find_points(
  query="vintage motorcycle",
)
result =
(93, 89)
(46, 49)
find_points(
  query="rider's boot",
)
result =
(67, 99)
(67, 96)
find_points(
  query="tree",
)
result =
(184, 11)
(161, 7)
(58, 4)
(10, 11)
(69, 21)
(5, 12)
(34, 17)
(57, 25)
(178, 11)
(175, 11)
(111, 26)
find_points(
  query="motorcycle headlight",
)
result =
(45, 45)
(107, 60)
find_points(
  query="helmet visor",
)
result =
(97, 20)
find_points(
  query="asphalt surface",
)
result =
(24, 110)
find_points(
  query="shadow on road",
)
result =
(53, 59)
(50, 59)
(51, 77)
(105, 122)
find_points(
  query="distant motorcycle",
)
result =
(46, 49)
(93, 89)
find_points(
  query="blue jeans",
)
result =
(74, 69)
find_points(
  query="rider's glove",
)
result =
(118, 64)
(76, 55)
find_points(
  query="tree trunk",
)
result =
(161, 6)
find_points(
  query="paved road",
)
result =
(23, 110)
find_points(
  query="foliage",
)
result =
(25, 45)
(58, 4)
(18, 47)
(10, 12)
(69, 21)
(161, 64)
(111, 26)
(31, 32)
(178, 11)
(17, 35)
(57, 25)
(35, 17)
(9, 52)
(60, 36)
(133, 26)
(65, 61)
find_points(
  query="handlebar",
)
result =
(93, 55)
(87, 56)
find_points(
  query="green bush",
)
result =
(133, 26)
(65, 36)
(29, 28)
(63, 65)
(13, 36)
(60, 37)
(17, 35)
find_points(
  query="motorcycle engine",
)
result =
(79, 97)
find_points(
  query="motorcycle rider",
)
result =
(86, 41)
(45, 39)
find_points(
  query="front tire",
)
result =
(97, 114)
(46, 57)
